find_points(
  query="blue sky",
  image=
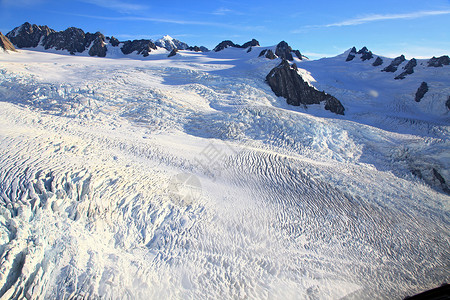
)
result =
(317, 28)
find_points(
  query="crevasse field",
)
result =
(187, 178)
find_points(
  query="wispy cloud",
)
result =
(226, 11)
(118, 5)
(222, 11)
(168, 20)
(375, 18)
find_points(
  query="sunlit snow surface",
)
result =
(186, 178)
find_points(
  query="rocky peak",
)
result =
(439, 61)
(252, 43)
(28, 36)
(225, 44)
(98, 47)
(72, 39)
(283, 51)
(143, 47)
(351, 55)
(169, 43)
(5, 43)
(285, 81)
(409, 69)
(394, 64)
(114, 42)
(364, 52)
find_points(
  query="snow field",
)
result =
(294, 203)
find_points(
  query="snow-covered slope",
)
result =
(187, 178)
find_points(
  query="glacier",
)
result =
(186, 177)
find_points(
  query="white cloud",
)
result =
(376, 17)
(118, 5)
(222, 11)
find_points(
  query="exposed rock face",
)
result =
(423, 88)
(195, 48)
(441, 180)
(365, 53)
(114, 42)
(225, 44)
(298, 54)
(170, 43)
(447, 104)
(267, 53)
(439, 61)
(72, 39)
(28, 36)
(409, 69)
(394, 64)
(143, 47)
(351, 55)
(173, 53)
(270, 54)
(334, 105)
(252, 43)
(98, 47)
(286, 82)
(5, 44)
(377, 62)
(283, 51)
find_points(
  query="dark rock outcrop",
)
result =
(334, 105)
(225, 44)
(114, 42)
(270, 54)
(72, 39)
(367, 56)
(362, 50)
(441, 180)
(447, 104)
(439, 61)
(194, 48)
(5, 44)
(143, 47)
(286, 82)
(377, 62)
(173, 53)
(252, 43)
(421, 91)
(262, 53)
(283, 51)
(394, 64)
(365, 53)
(298, 54)
(28, 36)
(351, 55)
(98, 47)
(409, 69)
